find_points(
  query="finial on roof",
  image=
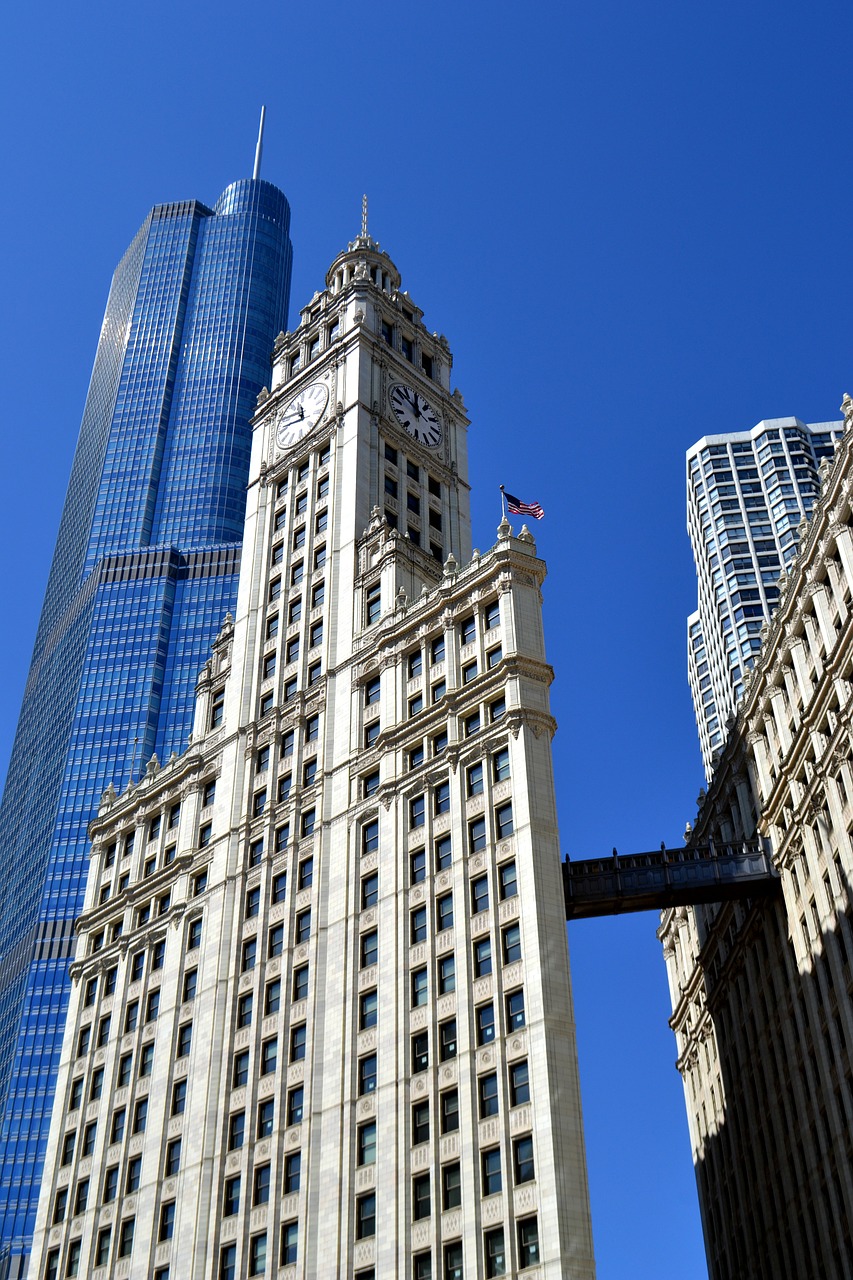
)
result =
(260, 147)
(364, 217)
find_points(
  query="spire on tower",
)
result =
(260, 147)
(364, 217)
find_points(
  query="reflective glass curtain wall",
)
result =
(144, 570)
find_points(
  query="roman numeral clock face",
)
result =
(416, 415)
(300, 414)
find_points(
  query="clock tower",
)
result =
(345, 901)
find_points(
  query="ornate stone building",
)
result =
(321, 1020)
(761, 991)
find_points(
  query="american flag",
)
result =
(516, 507)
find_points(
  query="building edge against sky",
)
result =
(761, 990)
(145, 566)
(326, 1028)
(747, 492)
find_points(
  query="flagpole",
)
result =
(503, 502)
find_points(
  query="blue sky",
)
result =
(632, 223)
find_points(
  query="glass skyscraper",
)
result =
(145, 568)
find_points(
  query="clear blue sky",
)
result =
(632, 223)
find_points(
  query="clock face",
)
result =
(416, 414)
(302, 413)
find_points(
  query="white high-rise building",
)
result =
(747, 493)
(321, 1020)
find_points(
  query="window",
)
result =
(453, 1261)
(272, 627)
(507, 879)
(448, 1108)
(367, 1074)
(368, 1010)
(442, 798)
(185, 1037)
(480, 894)
(419, 987)
(60, 1204)
(370, 833)
(297, 573)
(269, 666)
(476, 835)
(117, 1129)
(417, 811)
(390, 486)
(482, 957)
(272, 994)
(467, 630)
(91, 992)
(299, 538)
(439, 689)
(292, 650)
(102, 1248)
(447, 1040)
(366, 1143)
(485, 1023)
(131, 1017)
(415, 663)
(292, 1172)
(257, 1255)
(369, 890)
(300, 983)
(83, 1039)
(471, 724)
(134, 1174)
(369, 787)
(140, 1115)
(528, 1242)
(373, 603)
(365, 1216)
(236, 1130)
(275, 940)
(503, 822)
(421, 1207)
(173, 1157)
(228, 1262)
(241, 1069)
(420, 1123)
(369, 949)
(137, 966)
(443, 853)
(519, 1084)
(416, 756)
(253, 901)
(413, 503)
(312, 729)
(416, 705)
(372, 691)
(371, 733)
(279, 884)
(217, 704)
(497, 710)
(261, 1187)
(266, 1114)
(318, 594)
(451, 1187)
(306, 874)
(125, 1240)
(488, 1096)
(437, 650)
(446, 975)
(444, 912)
(111, 1184)
(298, 1040)
(493, 657)
(417, 866)
(244, 1009)
(289, 1240)
(495, 1252)
(515, 1010)
(475, 780)
(76, 1096)
(179, 1098)
(81, 1198)
(420, 1051)
(97, 1086)
(522, 1159)
(266, 705)
(249, 955)
(491, 1169)
(167, 1221)
(418, 925)
(511, 941)
(125, 1063)
(231, 1198)
(89, 1138)
(194, 935)
(146, 1059)
(303, 926)
(319, 557)
(306, 826)
(469, 672)
(104, 1024)
(158, 953)
(294, 611)
(282, 838)
(295, 1103)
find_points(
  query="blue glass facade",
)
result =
(145, 568)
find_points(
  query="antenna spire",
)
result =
(364, 217)
(260, 147)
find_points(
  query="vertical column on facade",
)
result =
(844, 546)
(780, 718)
(797, 649)
(820, 598)
(758, 742)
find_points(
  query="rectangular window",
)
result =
(497, 710)
(417, 866)
(236, 1130)
(266, 1114)
(446, 975)
(485, 1023)
(249, 955)
(217, 707)
(476, 835)
(125, 1063)
(488, 1096)
(519, 1084)
(241, 1069)
(306, 826)
(420, 1051)
(366, 1143)
(257, 1255)
(275, 940)
(272, 996)
(295, 1104)
(102, 1249)
(453, 1261)
(368, 1010)
(471, 724)
(373, 603)
(444, 912)
(318, 594)
(369, 890)
(507, 879)
(370, 830)
(448, 1108)
(365, 1216)
(125, 1240)
(528, 1242)
(261, 1186)
(503, 822)
(439, 689)
(495, 1253)
(419, 987)
(469, 672)
(493, 657)
(482, 957)
(167, 1221)
(244, 1009)
(231, 1198)
(303, 926)
(306, 874)
(146, 1060)
(416, 705)
(491, 1171)
(480, 894)
(421, 1207)
(371, 734)
(292, 1172)
(111, 1184)
(369, 949)
(515, 1016)
(443, 853)
(185, 1039)
(116, 1132)
(367, 1074)
(134, 1174)
(474, 783)
(447, 1040)
(451, 1187)
(298, 1042)
(420, 1123)
(511, 942)
(289, 1241)
(418, 925)
(441, 797)
(522, 1159)
(417, 811)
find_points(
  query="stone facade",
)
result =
(321, 1021)
(761, 992)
